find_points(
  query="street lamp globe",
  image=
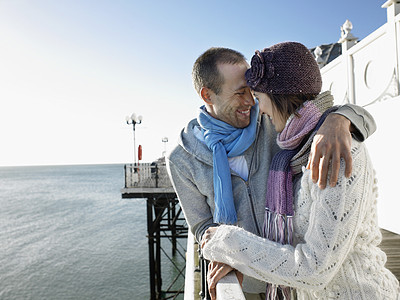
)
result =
(133, 120)
(165, 141)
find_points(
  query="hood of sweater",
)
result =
(191, 144)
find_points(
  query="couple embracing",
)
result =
(275, 182)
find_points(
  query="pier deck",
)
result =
(391, 246)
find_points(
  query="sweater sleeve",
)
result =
(362, 120)
(334, 222)
(193, 203)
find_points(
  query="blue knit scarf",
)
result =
(225, 141)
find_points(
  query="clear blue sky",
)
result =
(70, 71)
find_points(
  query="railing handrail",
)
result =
(196, 277)
(192, 272)
(229, 288)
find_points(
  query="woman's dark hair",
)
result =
(288, 104)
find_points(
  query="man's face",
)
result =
(232, 105)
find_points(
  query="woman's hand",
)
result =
(208, 235)
(216, 271)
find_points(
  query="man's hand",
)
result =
(216, 271)
(332, 141)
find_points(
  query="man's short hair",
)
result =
(205, 71)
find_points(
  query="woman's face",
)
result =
(268, 108)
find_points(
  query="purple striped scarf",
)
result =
(278, 222)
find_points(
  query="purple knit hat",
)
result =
(284, 68)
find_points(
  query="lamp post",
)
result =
(165, 141)
(133, 120)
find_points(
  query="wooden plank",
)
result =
(391, 246)
(141, 192)
(148, 190)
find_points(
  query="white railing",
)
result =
(195, 276)
(367, 74)
(228, 288)
(192, 272)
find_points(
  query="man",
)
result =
(220, 166)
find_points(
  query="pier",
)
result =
(165, 222)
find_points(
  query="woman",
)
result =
(319, 243)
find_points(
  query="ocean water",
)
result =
(66, 233)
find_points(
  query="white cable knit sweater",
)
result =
(335, 254)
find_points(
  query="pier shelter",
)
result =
(366, 72)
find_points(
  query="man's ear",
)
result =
(206, 94)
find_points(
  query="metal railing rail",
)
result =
(146, 175)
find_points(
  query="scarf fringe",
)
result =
(278, 227)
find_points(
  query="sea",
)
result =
(66, 233)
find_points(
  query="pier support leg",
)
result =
(173, 228)
(162, 219)
(151, 249)
(158, 254)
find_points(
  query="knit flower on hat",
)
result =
(261, 69)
